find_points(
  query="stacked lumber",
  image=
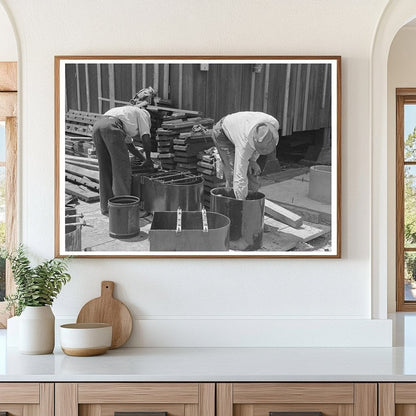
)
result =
(78, 130)
(80, 122)
(81, 178)
(207, 166)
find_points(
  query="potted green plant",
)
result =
(36, 289)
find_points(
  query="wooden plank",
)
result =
(8, 105)
(286, 100)
(87, 88)
(99, 89)
(386, 399)
(165, 81)
(365, 403)
(8, 76)
(111, 85)
(266, 88)
(82, 181)
(78, 86)
(47, 399)
(345, 410)
(191, 410)
(86, 160)
(224, 399)
(66, 399)
(405, 393)
(252, 393)
(88, 173)
(282, 214)
(156, 77)
(305, 233)
(84, 165)
(306, 96)
(81, 192)
(180, 86)
(138, 393)
(23, 393)
(133, 80)
(252, 89)
(207, 399)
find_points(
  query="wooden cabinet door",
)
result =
(297, 399)
(26, 399)
(145, 399)
(397, 399)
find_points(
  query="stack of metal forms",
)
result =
(208, 167)
(182, 157)
(188, 145)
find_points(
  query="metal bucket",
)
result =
(246, 217)
(72, 237)
(124, 216)
(320, 183)
(168, 191)
(189, 231)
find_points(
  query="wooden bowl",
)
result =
(84, 340)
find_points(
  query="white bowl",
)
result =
(84, 340)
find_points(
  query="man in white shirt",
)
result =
(113, 135)
(240, 139)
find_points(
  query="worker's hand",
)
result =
(147, 164)
(253, 168)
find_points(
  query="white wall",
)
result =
(8, 46)
(203, 302)
(401, 74)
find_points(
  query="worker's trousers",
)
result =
(226, 150)
(113, 159)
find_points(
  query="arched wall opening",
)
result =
(396, 15)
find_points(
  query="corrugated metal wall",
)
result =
(298, 95)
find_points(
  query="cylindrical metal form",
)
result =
(189, 231)
(72, 237)
(124, 216)
(246, 217)
(168, 191)
(320, 183)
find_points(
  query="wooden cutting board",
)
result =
(107, 309)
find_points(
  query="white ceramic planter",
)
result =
(37, 330)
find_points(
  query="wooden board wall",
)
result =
(298, 95)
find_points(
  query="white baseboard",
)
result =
(212, 332)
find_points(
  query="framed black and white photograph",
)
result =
(198, 156)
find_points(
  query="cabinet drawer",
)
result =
(146, 399)
(21, 399)
(297, 399)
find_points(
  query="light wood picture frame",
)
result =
(296, 211)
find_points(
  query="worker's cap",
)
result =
(145, 94)
(264, 137)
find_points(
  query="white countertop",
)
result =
(222, 364)
(215, 364)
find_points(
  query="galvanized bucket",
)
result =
(246, 217)
(124, 216)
